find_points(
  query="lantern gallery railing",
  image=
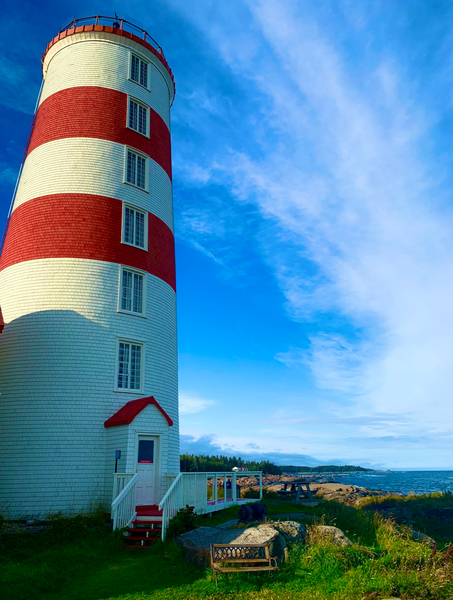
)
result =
(116, 23)
(206, 492)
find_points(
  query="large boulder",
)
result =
(330, 534)
(196, 544)
(290, 530)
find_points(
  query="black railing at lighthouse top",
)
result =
(116, 23)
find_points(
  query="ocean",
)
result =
(404, 482)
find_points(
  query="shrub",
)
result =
(78, 526)
(185, 520)
(254, 493)
(251, 493)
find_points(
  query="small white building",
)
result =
(88, 354)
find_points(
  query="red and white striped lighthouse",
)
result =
(88, 354)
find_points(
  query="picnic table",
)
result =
(296, 489)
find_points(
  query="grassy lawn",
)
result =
(81, 559)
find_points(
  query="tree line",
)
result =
(191, 463)
(323, 469)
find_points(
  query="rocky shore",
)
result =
(320, 485)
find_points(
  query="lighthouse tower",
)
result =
(88, 353)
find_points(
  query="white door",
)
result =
(146, 469)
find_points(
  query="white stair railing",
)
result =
(120, 481)
(206, 492)
(123, 507)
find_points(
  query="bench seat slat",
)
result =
(244, 560)
(247, 569)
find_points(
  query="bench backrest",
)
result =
(239, 553)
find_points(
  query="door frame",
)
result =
(157, 461)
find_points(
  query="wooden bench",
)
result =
(229, 558)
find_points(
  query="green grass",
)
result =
(417, 506)
(81, 559)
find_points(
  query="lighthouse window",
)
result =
(138, 117)
(129, 366)
(131, 291)
(139, 71)
(134, 227)
(136, 169)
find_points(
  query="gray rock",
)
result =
(290, 530)
(196, 544)
(418, 536)
(329, 533)
(233, 523)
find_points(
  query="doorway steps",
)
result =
(146, 527)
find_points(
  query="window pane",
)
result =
(129, 225)
(146, 451)
(123, 365)
(139, 229)
(138, 293)
(133, 115)
(136, 354)
(141, 119)
(131, 167)
(141, 165)
(126, 296)
(144, 73)
(134, 68)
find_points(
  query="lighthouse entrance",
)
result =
(146, 469)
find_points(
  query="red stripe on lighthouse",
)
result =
(96, 112)
(85, 226)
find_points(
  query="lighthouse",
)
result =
(88, 351)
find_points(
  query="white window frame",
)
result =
(143, 105)
(147, 63)
(123, 231)
(120, 292)
(130, 390)
(141, 155)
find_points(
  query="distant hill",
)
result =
(323, 469)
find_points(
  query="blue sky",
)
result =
(312, 163)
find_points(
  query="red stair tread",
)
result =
(149, 513)
(144, 529)
(148, 510)
(148, 521)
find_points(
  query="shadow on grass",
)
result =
(89, 566)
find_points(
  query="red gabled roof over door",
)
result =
(129, 411)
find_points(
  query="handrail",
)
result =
(120, 480)
(125, 491)
(170, 489)
(117, 23)
(192, 489)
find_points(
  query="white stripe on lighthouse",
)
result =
(104, 64)
(92, 166)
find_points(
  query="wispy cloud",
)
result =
(350, 185)
(190, 403)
